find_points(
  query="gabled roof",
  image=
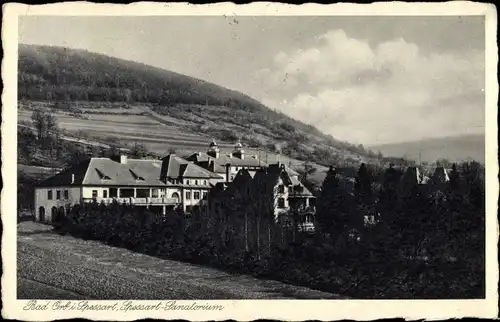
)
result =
(440, 175)
(176, 167)
(413, 175)
(211, 166)
(223, 159)
(65, 177)
(135, 172)
(269, 177)
(242, 178)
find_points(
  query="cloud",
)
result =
(388, 92)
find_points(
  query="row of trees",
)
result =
(427, 240)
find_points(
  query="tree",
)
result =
(363, 184)
(27, 143)
(44, 123)
(138, 150)
(332, 212)
(454, 183)
(443, 163)
(308, 169)
(113, 151)
(363, 194)
(388, 193)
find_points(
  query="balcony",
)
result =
(306, 227)
(135, 201)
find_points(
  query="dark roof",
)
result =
(104, 171)
(413, 175)
(242, 178)
(176, 167)
(440, 175)
(64, 178)
(223, 159)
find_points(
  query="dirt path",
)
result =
(64, 267)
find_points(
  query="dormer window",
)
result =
(136, 176)
(102, 176)
(299, 189)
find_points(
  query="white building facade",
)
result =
(156, 184)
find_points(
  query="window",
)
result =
(49, 194)
(281, 203)
(196, 195)
(58, 194)
(281, 188)
(204, 195)
(142, 193)
(102, 176)
(187, 181)
(105, 193)
(196, 182)
(66, 194)
(127, 193)
(113, 192)
(188, 195)
(136, 176)
(94, 193)
(312, 202)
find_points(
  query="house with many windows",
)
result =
(274, 189)
(156, 184)
(226, 165)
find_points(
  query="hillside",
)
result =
(454, 149)
(103, 95)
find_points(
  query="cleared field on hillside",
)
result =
(157, 137)
(137, 126)
(37, 172)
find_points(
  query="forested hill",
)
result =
(60, 74)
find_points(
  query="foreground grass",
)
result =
(89, 269)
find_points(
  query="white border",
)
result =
(253, 309)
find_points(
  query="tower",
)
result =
(238, 151)
(213, 150)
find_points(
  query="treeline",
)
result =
(393, 240)
(56, 73)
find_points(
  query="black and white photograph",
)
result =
(232, 156)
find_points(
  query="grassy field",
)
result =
(64, 267)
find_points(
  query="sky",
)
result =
(363, 79)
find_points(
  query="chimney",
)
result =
(72, 178)
(123, 159)
(228, 166)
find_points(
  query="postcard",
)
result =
(257, 161)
